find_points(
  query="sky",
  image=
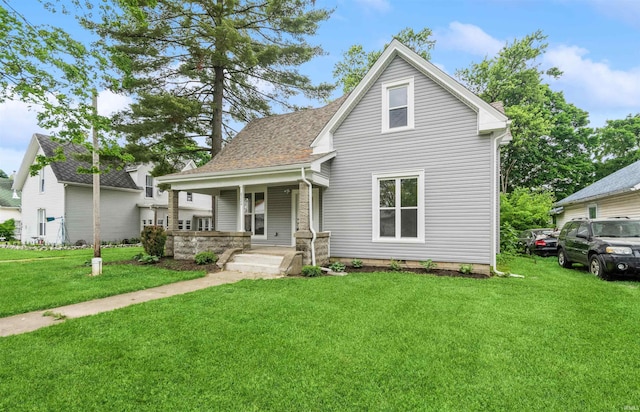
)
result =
(595, 43)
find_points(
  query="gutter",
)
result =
(313, 231)
(494, 209)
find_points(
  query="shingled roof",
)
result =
(67, 171)
(273, 141)
(624, 180)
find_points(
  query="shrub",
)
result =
(508, 238)
(466, 269)
(356, 263)
(394, 265)
(204, 258)
(311, 271)
(337, 267)
(7, 229)
(148, 259)
(153, 240)
(428, 265)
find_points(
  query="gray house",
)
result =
(612, 196)
(405, 167)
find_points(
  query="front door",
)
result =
(295, 196)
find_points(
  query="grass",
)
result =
(48, 279)
(556, 340)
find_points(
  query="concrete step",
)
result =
(258, 259)
(267, 269)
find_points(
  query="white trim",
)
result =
(386, 87)
(375, 207)
(252, 191)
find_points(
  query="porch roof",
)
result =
(270, 142)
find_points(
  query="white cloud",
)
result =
(595, 83)
(377, 5)
(468, 38)
(109, 102)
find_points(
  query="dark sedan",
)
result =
(543, 242)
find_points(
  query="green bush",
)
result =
(7, 229)
(428, 265)
(508, 238)
(153, 240)
(526, 208)
(204, 258)
(466, 269)
(311, 271)
(337, 267)
(148, 259)
(356, 263)
(394, 265)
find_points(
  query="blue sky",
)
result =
(594, 42)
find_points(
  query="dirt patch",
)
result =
(173, 264)
(420, 271)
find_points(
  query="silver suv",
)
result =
(606, 246)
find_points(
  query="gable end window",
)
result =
(398, 207)
(41, 181)
(397, 105)
(148, 187)
(593, 211)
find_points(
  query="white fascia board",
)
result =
(178, 178)
(316, 165)
(23, 172)
(119, 189)
(489, 118)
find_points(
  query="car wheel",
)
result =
(562, 259)
(527, 251)
(597, 268)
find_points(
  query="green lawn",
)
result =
(47, 279)
(558, 340)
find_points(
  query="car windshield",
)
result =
(539, 232)
(629, 228)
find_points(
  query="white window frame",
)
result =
(252, 194)
(409, 84)
(375, 206)
(42, 222)
(41, 181)
(148, 188)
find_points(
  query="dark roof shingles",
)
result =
(67, 171)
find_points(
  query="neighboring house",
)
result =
(9, 204)
(57, 203)
(615, 195)
(406, 166)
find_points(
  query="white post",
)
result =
(96, 262)
(241, 210)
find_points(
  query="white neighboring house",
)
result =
(57, 203)
(9, 204)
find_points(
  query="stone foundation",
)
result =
(303, 244)
(478, 268)
(186, 244)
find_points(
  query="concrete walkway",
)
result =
(27, 322)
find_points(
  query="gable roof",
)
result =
(6, 194)
(66, 172)
(278, 140)
(490, 117)
(626, 179)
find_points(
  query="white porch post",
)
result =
(241, 209)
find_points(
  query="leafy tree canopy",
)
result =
(356, 62)
(3, 174)
(197, 68)
(619, 145)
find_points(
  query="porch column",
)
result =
(174, 207)
(303, 208)
(241, 209)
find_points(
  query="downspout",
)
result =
(495, 211)
(313, 232)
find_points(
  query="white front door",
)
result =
(295, 195)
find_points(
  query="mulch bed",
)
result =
(420, 271)
(173, 264)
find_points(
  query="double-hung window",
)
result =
(42, 222)
(397, 105)
(254, 213)
(398, 207)
(148, 187)
(41, 181)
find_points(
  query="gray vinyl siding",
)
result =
(227, 211)
(325, 170)
(118, 214)
(445, 144)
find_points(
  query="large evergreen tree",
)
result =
(198, 67)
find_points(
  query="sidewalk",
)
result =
(27, 322)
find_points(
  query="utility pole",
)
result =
(96, 262)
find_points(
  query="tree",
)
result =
(552, 145)
(356, 62)
(619, 145)
(3, 174)
(198, 67)
(44, 66)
